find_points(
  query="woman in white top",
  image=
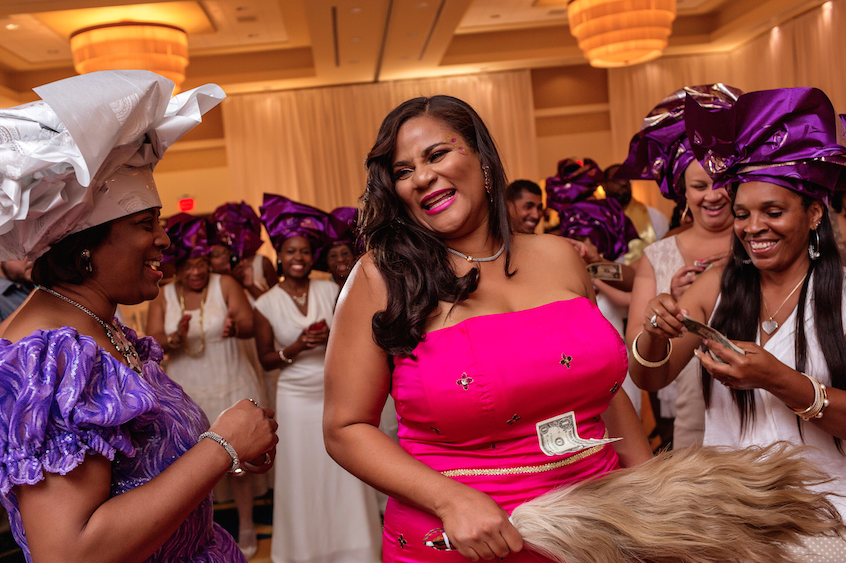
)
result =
(778, 149)
(661, 152)
(199, 318)
(321, 513)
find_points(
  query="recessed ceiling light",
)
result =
(12, 26)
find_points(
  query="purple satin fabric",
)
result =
(786, 137)
(574, 182)
(284, 218)
(62, 398)
(661, 150)
(237, 227)
(603, 221)
(189, 238)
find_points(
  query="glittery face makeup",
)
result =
(455, 140)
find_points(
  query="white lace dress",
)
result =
(682, 398)
(321, 513)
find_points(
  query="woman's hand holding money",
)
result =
(663, 318)
(758, 369)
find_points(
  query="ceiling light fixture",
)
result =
(615, 33)
(12, 26)
(157, 47)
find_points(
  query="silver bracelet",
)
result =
(284, 359)
(236, 463)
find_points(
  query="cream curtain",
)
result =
(310, 145)
(807, 51)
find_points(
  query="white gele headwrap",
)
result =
(85, 153)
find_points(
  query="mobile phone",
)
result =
(317, 326)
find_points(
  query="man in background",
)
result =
(650, 223)
(525, 206)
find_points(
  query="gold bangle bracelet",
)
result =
(646, 363)
(820, 401)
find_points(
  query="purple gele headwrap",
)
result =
(284, 219)
(786, 137)
(601, 220)
(238, 227)
(575, 182)
(342, 227)
(189, 238)
(661, 150)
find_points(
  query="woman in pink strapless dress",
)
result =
(507, 378)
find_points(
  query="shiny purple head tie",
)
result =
(342, 227)
(661, 150)
(189, 238)
(284, 219)
(603, 222)
(574, 182)
(786, 137)
(238, 227)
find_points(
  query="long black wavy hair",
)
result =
(414, 262)
(738, 313)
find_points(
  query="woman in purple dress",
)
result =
(104, 458)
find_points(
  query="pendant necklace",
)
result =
(770, 326)
(471, 259)
(300, 300)
(124, 348)
(181, 296)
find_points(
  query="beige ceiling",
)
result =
(264, 45)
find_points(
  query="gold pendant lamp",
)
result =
(615, 33)
(157, 47)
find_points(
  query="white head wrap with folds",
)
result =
(85, 153)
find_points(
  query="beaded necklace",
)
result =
(122, 345)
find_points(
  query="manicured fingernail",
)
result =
(696, 353)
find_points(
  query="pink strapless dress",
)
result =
(509, 404)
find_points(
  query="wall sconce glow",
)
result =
(157, 47)
(615, 33)
(12, 26)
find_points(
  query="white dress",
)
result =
(321, 513)
(682, 399)
(775, 421)
(220, 376)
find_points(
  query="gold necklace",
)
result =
(770, 326)
(181, 296)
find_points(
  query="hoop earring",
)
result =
(814, 250)
(486, 170)
(86, 261)
(684, 213)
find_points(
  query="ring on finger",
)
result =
(267, 459)
(654, 320)
(253, 401)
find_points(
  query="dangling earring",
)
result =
(86, 257)
(814, 250)
(684, 213)
(487, 172)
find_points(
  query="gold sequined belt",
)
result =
(525, 469)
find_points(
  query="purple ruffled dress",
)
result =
(63, 397)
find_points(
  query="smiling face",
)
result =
(295, 258)
(127, 262)
(526, 212)
(709, 208)
(439, 179)
(773, 225)
(340, 260)
(194, 273)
